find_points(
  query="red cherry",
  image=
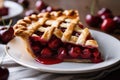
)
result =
(36, 49)
(93, 21)
(49, 8)
(62, 53)
(43, 10)
(54, 44)
(97, 57)
(86, 53)
(30, 12)
(40, 5)
(38, 39)
(108, 25)
(46, 53)
(106, 15)
(24, 3)
(4, 73)
(6, 34)
(75, 52)
(117, 20)
(104, 11)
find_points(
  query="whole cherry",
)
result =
(93, 21)
(30, 12)
(62, 53)
(46, 53)
(40, 5)
(108, 25)
(4, 73)
(106, 15)
(6, 34)
(86, 53)
(24, 3)
(117, 19)
(104, 11)
(75, 52)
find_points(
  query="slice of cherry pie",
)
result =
(57, 36)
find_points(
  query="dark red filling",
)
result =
(55, 51)
(4, 11)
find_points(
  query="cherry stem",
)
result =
(3, 22)
(92, 7)
(9, 25)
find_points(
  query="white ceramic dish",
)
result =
(15, 9)
(108, 45)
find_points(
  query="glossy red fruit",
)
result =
(24, 3)
(4, 73)
(54, 44)
(75, 52)
(117, 20)
(38, 39)
(106, 15)
(40, 5)
(86, 53)
(93, 21)
(49, 8)
(97, 57)
(62, 53)
(36, 49)
(108, 25)
(6, 34)
(104, 11)
(46, 53)
(30, 12)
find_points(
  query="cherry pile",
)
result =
(104, 19)
(6, 34)
(40, 6)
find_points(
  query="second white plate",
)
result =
(108, 45)
(14, 9)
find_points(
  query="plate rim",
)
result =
(7, 16)
(63, 70)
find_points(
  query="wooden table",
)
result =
(83, 7)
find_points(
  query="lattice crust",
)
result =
(53, 21)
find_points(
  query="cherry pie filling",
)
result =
(55, 51)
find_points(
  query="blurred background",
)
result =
(83, 6)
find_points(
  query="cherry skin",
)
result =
(54, 44)
(4, 73)
(30, 12)
(24, 3)
(106, 15)
(104, 11)
(75, 52)
(93, 21)
(40, 5)
(86, 53)
(108, 25)
(46, 53)
(117, 19)
(62, 53)
(6, 34)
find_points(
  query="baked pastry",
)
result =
(57, 36)
(3, 10)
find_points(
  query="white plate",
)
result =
(108, 45)
(14, 9)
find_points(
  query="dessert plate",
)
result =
(108, 45)
(14, 9)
